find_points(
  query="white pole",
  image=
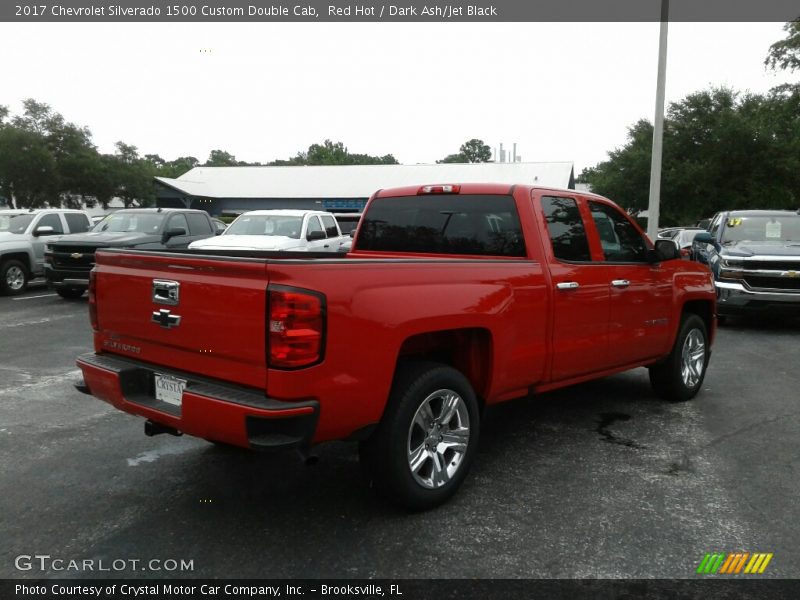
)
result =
(658, 127)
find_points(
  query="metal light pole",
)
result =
(658, 127)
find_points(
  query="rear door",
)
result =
(581, 292)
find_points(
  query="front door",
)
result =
(640, 291)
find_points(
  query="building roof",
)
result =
(356, 181)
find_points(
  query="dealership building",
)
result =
(337, 188)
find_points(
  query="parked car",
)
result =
(68, 259)
(455, 297)
(219, 226)
(22, 242)
(293, 230)
(755, 258)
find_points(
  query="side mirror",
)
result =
(172, 232)
(704, 237)
(43, 230)
(315, 235)
(665, 250)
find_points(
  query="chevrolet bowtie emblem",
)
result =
(76, 255)
(164, 318)
(790, 274)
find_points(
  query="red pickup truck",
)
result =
(453, 298)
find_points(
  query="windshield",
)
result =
(280, 225)
(778, 228)
(15, 223)
(131, 222)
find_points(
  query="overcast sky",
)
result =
(265, 91)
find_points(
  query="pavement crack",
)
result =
(607, 419)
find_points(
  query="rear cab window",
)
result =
(464, 224)
(77, 222)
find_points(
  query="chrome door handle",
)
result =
(568, 285)
(620, 283)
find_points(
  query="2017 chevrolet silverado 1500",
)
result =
(455, 297)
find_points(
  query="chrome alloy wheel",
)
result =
(438, 438)
(693, 358)
(15, 278)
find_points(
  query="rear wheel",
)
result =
(423, 447)
(70, 293)
(680, 376)
(13, 277)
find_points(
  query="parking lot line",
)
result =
(34, 297)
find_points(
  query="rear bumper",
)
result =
(735, 299)
(209, 409)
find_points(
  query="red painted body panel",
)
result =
(515, 332)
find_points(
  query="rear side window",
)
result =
(198, 224)
(77, 222)
(485, 225)
(565, 226)
(330, 226)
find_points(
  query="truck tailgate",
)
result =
(194, 314)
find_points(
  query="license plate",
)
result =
(169, 389)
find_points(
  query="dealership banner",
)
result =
(412, 11)
(398, 589)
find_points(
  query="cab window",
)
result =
(620, 240)
(51, 221)
(565, 226)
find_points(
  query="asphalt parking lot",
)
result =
(600, 480)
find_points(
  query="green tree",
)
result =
(722, 150)
(785, 53)
(27, 168)
(132, 176)
(333, 153)
(472, 151)
(220, 158)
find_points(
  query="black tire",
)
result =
(386, 454)
(13, 277)
(672, 379)
(70, 293)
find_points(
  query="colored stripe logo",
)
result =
(719, 563)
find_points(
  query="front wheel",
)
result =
(421, 452)
(13, 277)
(680, 376)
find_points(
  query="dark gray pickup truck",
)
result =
(755, 258)
(68, 259)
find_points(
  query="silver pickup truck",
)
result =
(23, 234)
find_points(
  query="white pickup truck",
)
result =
(295, 230)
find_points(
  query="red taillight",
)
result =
(439, 189)
(295, 328)
(93, 300)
